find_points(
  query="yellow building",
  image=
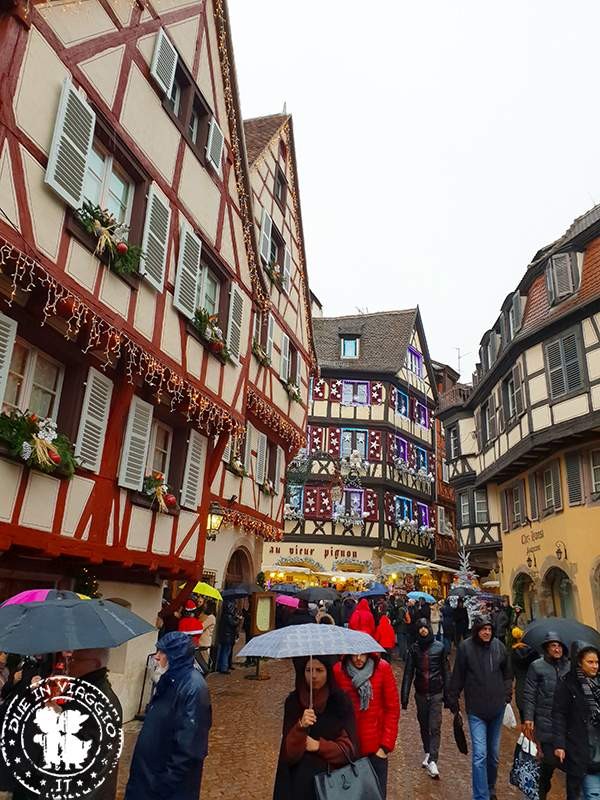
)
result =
(523, 442)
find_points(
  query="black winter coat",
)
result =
(228, 627)
(483, 672)
(570, 721)
(520, 658)
(538, 694)
(429, 669)
(448, 623)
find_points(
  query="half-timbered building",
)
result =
(366, 482)
(132, 290)
(446, 550)
(522, 441)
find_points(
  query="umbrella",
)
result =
(314, 594)
(206, 590)
(243, 590)
(569, 631)
(41, 595)
(67, 623)
(286, 600)
(377, 590)
(429, 598)
(284, 588)
(462, 591)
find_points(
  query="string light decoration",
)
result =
(278, 423)
(27, 274)
(253, 526)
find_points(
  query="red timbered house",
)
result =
(131, 282)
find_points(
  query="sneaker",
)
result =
(433, 770)
(425, 761)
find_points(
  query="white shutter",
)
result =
(298, 375)
(280, 461)
(266, 224)
(227, 452)
(248, 446)
(135, 444)
(287, 270)
(270, 326)
(94, 418)
(563, 277)
(164, 62)
(517, 305)
(284, 364)
(8, 334)
(156, 238)
(261, 459)
(189, 272)
(214, 146)
(234, 324)
(71, 145)
(191, 491)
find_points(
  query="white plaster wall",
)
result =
(218, 553)
(538, 389)
(541, 418)
(10, 478)
(575, 407)
(534, 358)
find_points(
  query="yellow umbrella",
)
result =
(205, 589)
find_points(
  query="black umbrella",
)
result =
(284, 588)
(314, 594)
(243, 590)
(568, 630)
(462, 591)
(67, 624)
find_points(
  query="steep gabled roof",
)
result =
(259, 131)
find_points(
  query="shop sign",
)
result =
(533, 536)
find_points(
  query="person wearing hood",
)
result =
(228, 633)
(369, 682)
(521, 657)
(385, 636)
(448, 625)
(482, 670)
(576, 723)
(362, 618)
(173, 742)
(538, 699)
(315, 738)
(426, 664)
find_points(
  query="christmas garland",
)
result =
(298, 561)
(275, 420)
(251, 525)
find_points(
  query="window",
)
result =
(423, 515)
(401, 448)
(445, 472)
(551, 489)
(421, 414)
(280, 187)
(564, 364)
(402, 405)
(295, 499)
(515, 315)
(415, 362)
(443, 526)
(404, 509)
(34, 382)
(159, 451)
(595, 461)
(491, 420)
(107, 185)
(516, 506)
(464, 509)
(454, 442)
(484, 417)
(355, 393)
(562, 276)
(421, 457)
(174, 97)
(353, 502)
(350, 346)
(509, 398)
(209, 291)
(573, 474)
(548, 489)
(354, 440)
(481, 506)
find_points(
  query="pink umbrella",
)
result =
(286, 600)
(40, 596)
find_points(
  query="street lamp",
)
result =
(531, 562)
(559, 550)
(215, 518)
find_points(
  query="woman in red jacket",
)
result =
(362, 618)
(385, 636)
(369, 683)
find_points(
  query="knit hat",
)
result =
(517, 633)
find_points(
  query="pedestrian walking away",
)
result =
(173, 742)
(448, 625)
(538, 699)
(426, 664)
(482, 671)
(228, 631)
(313, 739)
(461, 621)
(362, 618)
(385, 636)
(369, 682)
(576, 723)
(521, 657)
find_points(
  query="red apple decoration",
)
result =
(122, 248)
(170, 500)
(54, 457)
(217, 346)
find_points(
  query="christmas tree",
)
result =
(86, 583)
(466, 574)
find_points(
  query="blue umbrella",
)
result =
(377, 590)
(429, 598)
(284, 588)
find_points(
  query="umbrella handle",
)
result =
(310, 689)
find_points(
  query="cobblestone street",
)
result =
(245, 740)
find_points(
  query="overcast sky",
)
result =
(439, 144)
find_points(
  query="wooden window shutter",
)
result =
(234, 324)
(478, 429)
(8, 334)
(287, 270)
(574, 485)
(518, 383)
(550, 283)
(191, 491)
(501, 412)
(298, 372)
(71, 144)
(572, 363)
(284, 363)
(155, 239)
(492, 417)
(562, 275)
(189, 272)
(522, 499)
(269, 345)
(279, 466)
(517, 306)
(135, 444)
(503, 510)
(94, 419)
(214, 146)
(266, 225)
(556, 488)
(249, 441)
(226, 457)
(261, 458)
(556, 374)
(533, 497)
(164, 62)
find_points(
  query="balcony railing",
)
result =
(458, 395)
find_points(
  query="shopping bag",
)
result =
(509, 720)
(525, 771)
(355, 781)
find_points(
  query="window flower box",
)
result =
(110, 237)
(207, 328)
(267, 488)
(236, 466)
(260, 353)
(156, 495)
(273, 271)
(35, 441)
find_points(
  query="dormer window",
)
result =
(415, 362)
(350, 346)
(562, 276)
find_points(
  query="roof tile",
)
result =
(259, 131)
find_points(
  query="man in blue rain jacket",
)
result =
(173, 743)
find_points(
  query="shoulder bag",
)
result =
(354, 781)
